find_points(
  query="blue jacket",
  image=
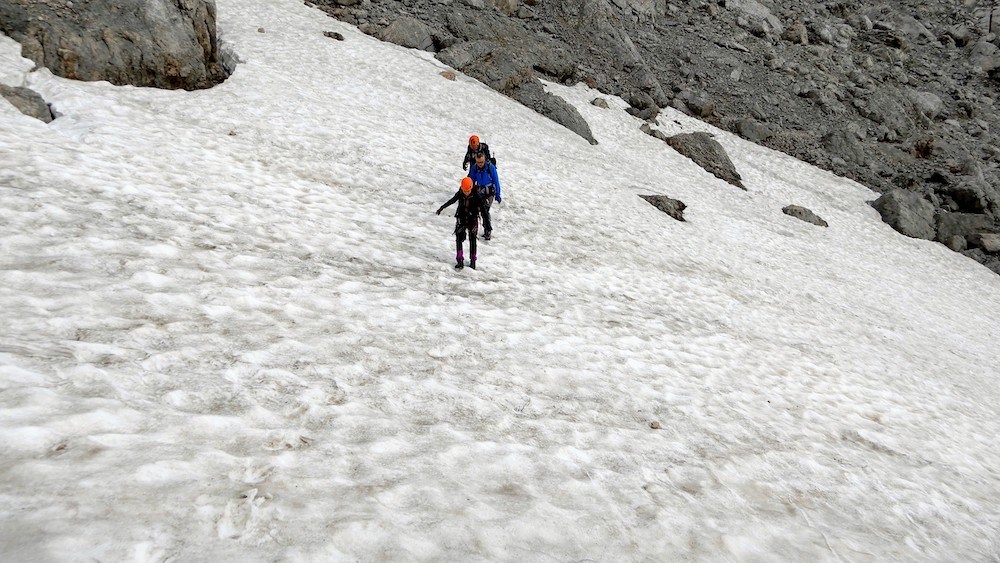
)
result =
(485, 176)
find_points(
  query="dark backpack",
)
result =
(486, 191)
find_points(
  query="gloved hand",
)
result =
(465, 165)
(498, 199)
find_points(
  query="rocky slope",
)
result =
(898, 96)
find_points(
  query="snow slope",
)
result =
(230, 330)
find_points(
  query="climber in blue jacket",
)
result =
(487, 183)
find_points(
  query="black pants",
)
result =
(461, 230)
(485, 212)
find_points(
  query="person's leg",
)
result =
(459, 239)
(487, 224)
(472, 245)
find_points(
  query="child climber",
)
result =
(466, 220)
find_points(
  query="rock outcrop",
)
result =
(672, 207)
(908, 213)
(28, 102)
(159, 43)
(803, 214)
(707, 153)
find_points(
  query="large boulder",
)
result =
(27, 101)
(963, 224)
(970, 196)
(531, 94)
(989, 242)
(985, 56)
(409, 32)
(707, 153)
(907, 213)
(160, 43)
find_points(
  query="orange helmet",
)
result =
(474, 141)
(466, 185)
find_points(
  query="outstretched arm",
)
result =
(453, 199)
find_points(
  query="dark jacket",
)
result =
(469, 206)
(471, 160)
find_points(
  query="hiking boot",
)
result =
(460, 264)
(488, 235)
(472, 264)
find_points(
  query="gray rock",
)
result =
(600, 102)
(506, 7)
(557, 64)
(700, 104)
(907, 213)
(976, 254)
(645, 128)
(969, 197)
(804, 214)
(648, 114)
(160, 43)
(844, 144)
(914, 30)
(27, 101)
(532, 95)
(993, 264)
(962, 224)
(753, 131)
(463, 55)
(673, 207)
(761, 16)
(985, 56)
(927, 104)
(707, 153)
(679, 105)
(796, 33)
(409, 32)
(960, 34)
(988, 242)
(512, 75)
(888, 107)
(640, 100)
(957, 243)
